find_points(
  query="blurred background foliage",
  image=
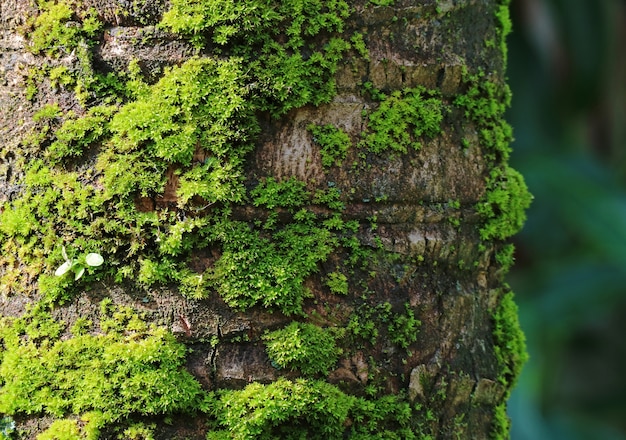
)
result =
(567, 70)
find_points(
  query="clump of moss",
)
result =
(63, 429)
(126, 369)
(64, 28)
(337, 282)
(501, 425)
(60, 27)
(510, 345)
(292, 70)
(504, 25)
(484, 104)
(505, 256)
(334, 143)
(511, 355)
(402, 119)
(254, 269)
(282, 409)
(504, 205)
(55, 209)
(307, 409)
(367, 322)
(304, 347)
(78, 133)
(138, 431)
(200, 103)
(271, 194)
(506, 197)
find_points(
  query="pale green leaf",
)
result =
(93, 259)
(79, 273)
(62, 269)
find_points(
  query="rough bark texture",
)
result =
(416, 213)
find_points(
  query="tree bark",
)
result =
(344, 272)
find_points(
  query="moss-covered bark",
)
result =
(302, 207)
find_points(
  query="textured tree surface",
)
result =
(302, 208)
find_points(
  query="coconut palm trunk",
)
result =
(256, 219)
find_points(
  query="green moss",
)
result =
(56, 208)
(501, 425)
(304, 347)
(48, 112)
(197, 124)
(337, 282)
(504, 25)
(510, 345)
(138, 431)
(126, 369)
(307, 409)
(166, 125)
(63, 429)
(60, 28)
(503, 208)
(268, 271)
(292, 70)
(402, 119)
(506, 256)
(66, 28)
(334, 143)
(367, 322)
(485, 103)
(271, 194)
(78, 133)
(192, 131)
(511, 355)
(358, 44)
(17, 221)
(331, 198)
(282, 409)
(403, 328)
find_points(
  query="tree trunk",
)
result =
(302, 208)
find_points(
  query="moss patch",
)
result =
(367, 323)
(504, 206)
(288, 74)
(304, 347)
(334, 143)
(307, 409)
(124, 369)
(402, 119)
(510, 345)
(59, 27)
(255, 269)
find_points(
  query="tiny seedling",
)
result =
(78, 265)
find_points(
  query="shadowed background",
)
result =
(567, 70)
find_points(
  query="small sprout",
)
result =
(78, 265)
